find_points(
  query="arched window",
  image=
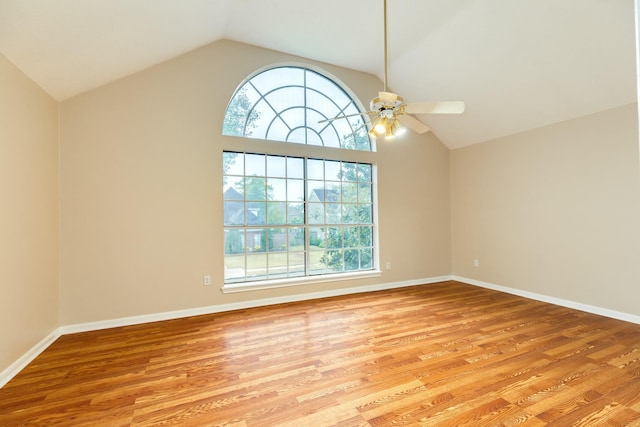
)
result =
(290, 218)
(293, 104)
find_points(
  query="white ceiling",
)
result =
(518, 64)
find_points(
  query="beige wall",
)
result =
(141, 189)
(554, 211)
(29, 214)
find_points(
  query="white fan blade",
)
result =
(387, 97)
(413, 124)
(445, 107)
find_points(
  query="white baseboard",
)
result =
(22, 362)
(627, 317)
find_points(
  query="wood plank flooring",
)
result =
(445, 354)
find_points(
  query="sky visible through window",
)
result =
(289, 103)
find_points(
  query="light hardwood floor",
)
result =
(445, 354)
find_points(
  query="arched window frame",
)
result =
(269, 148)
(325, 127)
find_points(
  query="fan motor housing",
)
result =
(389, 104)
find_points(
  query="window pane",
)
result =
(277, 188)
(366, 236)
(334, 237)
(332, 192)
(234, 188)
(350, 214)
(256, 213)
(351, 237)
(233, 242)
(278, 265)
(349, 192)
(349, 171)
(326, 86)
(332, 170)
(364, 212)
(234, 257)
(364, 193)
(255, 188)
(334, 260)
(233, 163)
(255, 164)
(313, 138)
(317, 263)
(364, 172)
(264, 120)
(294, 118)
(330, 133)
(296, 136)
(315, 169)
(295, 167)
(276, 77)
(296, 239)
(276, 212)
(316, 213)
(316, 238)
(295, 190)
(351, 259)
(277, 166)
(234, 213)
(366, 258)
(277, 240)
(234, 267)
(296, 264)
(257, 265)
(334, 213)
(316, 191)
(318, 101)
(286, 96)
(278, 130)
(295, 213)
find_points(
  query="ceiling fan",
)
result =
(388, 110)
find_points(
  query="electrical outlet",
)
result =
(476, 263)
(388, 266)
(206, 280)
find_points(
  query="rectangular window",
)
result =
(288, 217)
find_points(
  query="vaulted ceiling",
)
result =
(517, 64)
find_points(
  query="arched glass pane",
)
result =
(287, 104)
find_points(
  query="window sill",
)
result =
(228, 288)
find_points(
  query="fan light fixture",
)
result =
(389, 127)
(386, 123)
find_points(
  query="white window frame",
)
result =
(266, 147)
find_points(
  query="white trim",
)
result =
(627, 317)
(25, 359)
(228, 288)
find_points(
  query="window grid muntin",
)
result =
(263, 231)
(356, 128)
